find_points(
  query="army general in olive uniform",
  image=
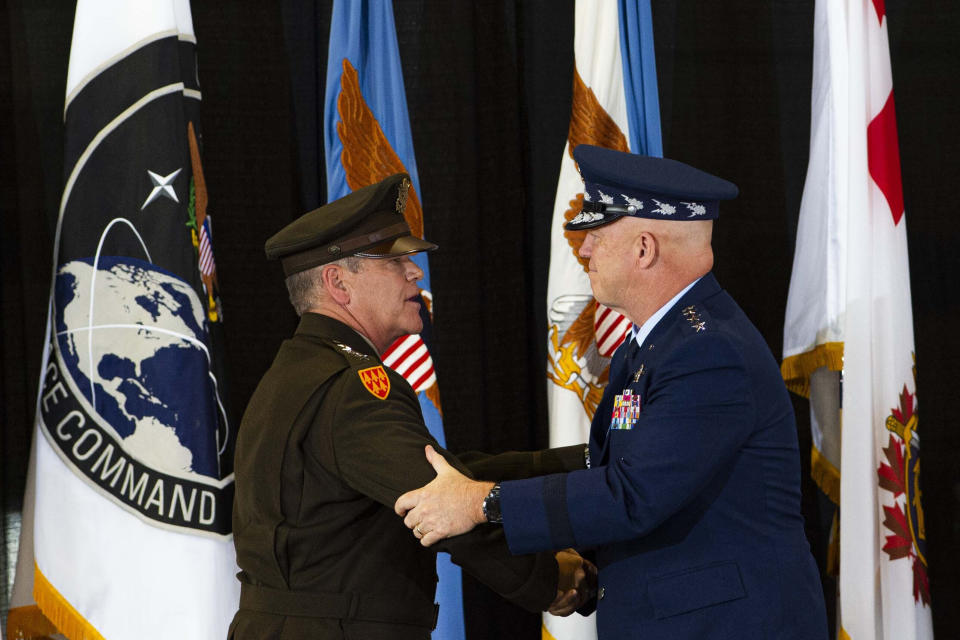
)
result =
(332, 437)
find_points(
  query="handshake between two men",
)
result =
(692, 540)
(453, 504)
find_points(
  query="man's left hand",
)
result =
(449, 505)
(576, 584)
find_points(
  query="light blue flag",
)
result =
(366, 138)
(640, 77)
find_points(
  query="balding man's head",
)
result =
(679, 240)
(649, 223)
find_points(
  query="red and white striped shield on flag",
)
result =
(409, 357)
(611, 329)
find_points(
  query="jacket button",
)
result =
(600, 593)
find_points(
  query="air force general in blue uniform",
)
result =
(691, 501)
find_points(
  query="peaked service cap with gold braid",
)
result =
(368, 222)
(618, 184)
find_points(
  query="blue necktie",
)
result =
(620, 368)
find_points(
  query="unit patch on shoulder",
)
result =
(376, 381)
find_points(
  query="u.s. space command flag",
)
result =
(849, 314)
(132, 477)
(615, 105)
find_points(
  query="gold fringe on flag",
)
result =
(833, 550)
(544, 634)
(796, 369)
(28, 623)
(825, 475)
(60, 612)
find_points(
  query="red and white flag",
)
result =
(410, 357)
(848, 335)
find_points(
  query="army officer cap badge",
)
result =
(618, 184)
(368, 222)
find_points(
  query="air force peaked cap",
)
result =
(618, 184)
(368, 222)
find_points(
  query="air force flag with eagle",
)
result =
(615, 105)
(367, 138)
(133, 469)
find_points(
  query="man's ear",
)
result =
(332, 278)
(646, 249)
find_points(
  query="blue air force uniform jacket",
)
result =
(693, 508)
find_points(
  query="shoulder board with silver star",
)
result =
(350, 351)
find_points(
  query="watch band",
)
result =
(491, 505)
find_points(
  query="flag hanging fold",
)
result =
(367, 138)
(615, 105)
(848, 334)
(131, 475)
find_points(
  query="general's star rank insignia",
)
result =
(693, 317)
(349, 351)
(376, 381)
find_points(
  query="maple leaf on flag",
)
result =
(905, 412)
(891, 475)
(900, 544)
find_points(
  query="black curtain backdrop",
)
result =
(488, 89)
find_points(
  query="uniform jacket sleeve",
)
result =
(377, 449)
(517, 465)
(697, 412)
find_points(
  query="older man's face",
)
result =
(385, 298)
(610, 249)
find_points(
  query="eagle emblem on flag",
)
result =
(368, 157)
(584, 334)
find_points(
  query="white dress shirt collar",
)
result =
(640, 333)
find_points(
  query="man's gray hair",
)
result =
(306, 288)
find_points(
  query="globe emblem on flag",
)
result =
(134, 339)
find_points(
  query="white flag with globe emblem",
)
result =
(615, 105)
(132, 471)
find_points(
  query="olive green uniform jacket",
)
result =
(321, 457)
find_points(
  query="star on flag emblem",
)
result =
(376, 381)
(162, 186)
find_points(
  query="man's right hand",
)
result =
(577, 583)
(448, 505)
